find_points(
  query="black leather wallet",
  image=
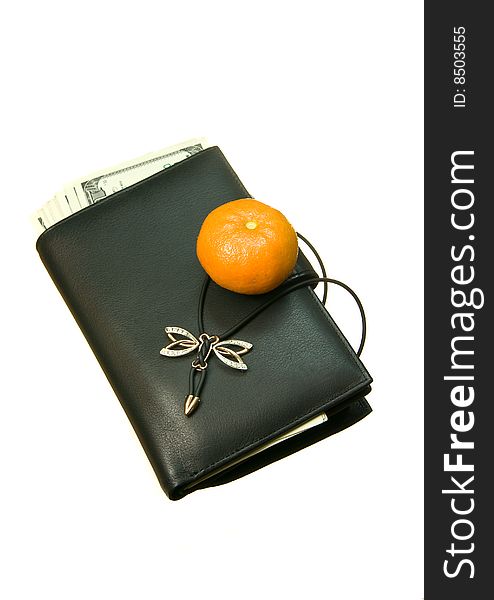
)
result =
(126, 268)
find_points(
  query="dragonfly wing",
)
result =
(232, 357)
(179, 346)
(224, 353)
(244, 346)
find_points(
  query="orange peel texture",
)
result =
(247, 246)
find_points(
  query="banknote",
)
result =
(40, 220)
(95, 187)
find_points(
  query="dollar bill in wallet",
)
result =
(88, 190)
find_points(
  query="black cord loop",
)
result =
(198, 370)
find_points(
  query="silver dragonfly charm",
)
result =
(189, 343)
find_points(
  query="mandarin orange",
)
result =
(247, 246)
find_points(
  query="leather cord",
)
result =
(197, 376)
(295, 285)
(321, 265)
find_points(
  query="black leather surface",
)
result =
(126, 268)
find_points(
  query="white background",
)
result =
(318, 107)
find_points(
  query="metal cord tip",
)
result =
(191, 403)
